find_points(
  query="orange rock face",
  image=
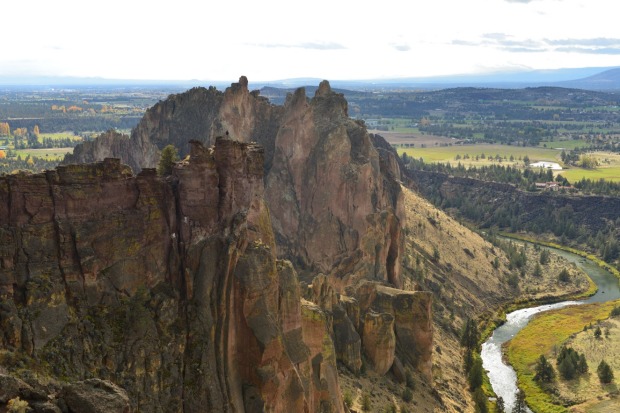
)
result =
(379, 340)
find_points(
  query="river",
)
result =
(502, 376)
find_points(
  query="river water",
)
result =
(502, 376)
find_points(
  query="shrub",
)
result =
(17, 405)
(604, 372)
(347, 398)
(366, 404)
(407, 395)
(409, 380)
(391, 408)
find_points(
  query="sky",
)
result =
(328, 39)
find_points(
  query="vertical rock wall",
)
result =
(169, 288)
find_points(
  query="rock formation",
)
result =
(184, 291)
(331, 187)
(169, 288)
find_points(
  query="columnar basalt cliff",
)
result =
(169, 288)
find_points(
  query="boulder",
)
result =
(11, 387)
(95, 396)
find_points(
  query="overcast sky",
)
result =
(330, 39)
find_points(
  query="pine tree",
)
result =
(544, 370)
(597, 332)
(582, 365)
(567, 369)
(520, 406)
(475, 374)
(169, 156)
(470, 335)
(499, 405)
(604, 372)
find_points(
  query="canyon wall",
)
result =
(169, 288)
(184, 290)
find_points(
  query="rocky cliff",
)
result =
(196, 262)
(169, 288)
(199, 114)
(331, 187)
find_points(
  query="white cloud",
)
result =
(275, 39)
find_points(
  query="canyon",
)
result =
(286, 261)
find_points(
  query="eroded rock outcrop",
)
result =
(333, 197)
(411, 312)
(379, 340)
(169, 288)
(331, 187)
(331, 208)
(95, 396)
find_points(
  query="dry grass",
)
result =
(467, 285)
(457, 265)
(599, 398)
(544, 335)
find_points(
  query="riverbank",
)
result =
(583, 254)
(567, 293)
(545, 335)
(502, 374)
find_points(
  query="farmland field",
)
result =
(608, 169)
(467, 154)
(46, 153)
(608, 174)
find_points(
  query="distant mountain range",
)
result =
(593, 78)
(590, 78)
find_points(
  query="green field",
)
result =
(568, 145)
(46, 153)
(608, 174)
(448, 154)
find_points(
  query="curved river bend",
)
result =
(502, 376)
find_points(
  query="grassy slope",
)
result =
(465, 284)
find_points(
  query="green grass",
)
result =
(544, 333)
(577, 174)
(570, 144)
(448, 153)
(60, 135)
(398, 125)
(47, 153)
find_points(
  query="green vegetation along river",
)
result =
(501, 375)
